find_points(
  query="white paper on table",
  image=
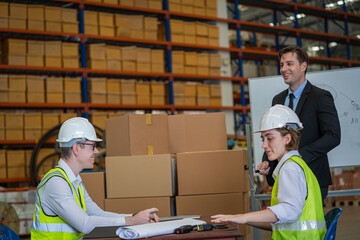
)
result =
(154, 229)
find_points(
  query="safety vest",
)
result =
(53, 227)
(311, 224)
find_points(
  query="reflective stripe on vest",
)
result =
(53, 227)
(311, 224)
(300, 226)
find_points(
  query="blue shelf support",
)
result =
(169, 55)
(240, 66)
(84, 87)
(277, 45)
(348, 52)
(298, 39)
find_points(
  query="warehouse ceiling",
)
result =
(311, 23)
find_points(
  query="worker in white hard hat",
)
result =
(296, 210)
(64, 209)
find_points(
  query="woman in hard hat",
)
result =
(296, 210)
(63, 208)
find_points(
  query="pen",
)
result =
(261, 170)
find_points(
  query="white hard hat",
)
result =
(279, 116)
(76, 128)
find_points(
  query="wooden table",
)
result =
(230, 233)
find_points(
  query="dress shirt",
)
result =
(57, 200)
(297, 94)
(292, 190)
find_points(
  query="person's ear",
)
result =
(75, 149)
(287, 138)
(303, 66)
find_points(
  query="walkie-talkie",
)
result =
(184, 229)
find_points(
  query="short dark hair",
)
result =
(295, 138)
(66, 151)
(302, 55)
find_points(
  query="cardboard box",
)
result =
(70, 62)
(107, 31)
(128, 66)
(135, 205)
(214, 71)
(53, 48)
(111, 1)
(142, 88)
(155, 4)
(37, 25)
(178, 57)
(4, 82)
(94, 183)
(32, 134)
(2, 131)
(177, 26)
(120, 169)
(32, 120)
(97, 85)
(96, 64)
(4, 9)
(53, 26)
(157, 56)
(95, 97)
(128, 98)
(203, 100)
(129, 53)
(106, 19)
(54, 84)
(127, 2)
(143, 99)
(14, 134)
(221, 172)
(211, 12)
(53, 61)
(17, 82)
(17, 96)
(4, 96)
(72, 97)
(2, 120)
(215, 60)
(143, 67)
(113, 52)
(18, 10)
(200, 11)
(14, 59)
(215, 101)
(189, 39)
(69, 15)
(96, 51)
(190, 100)
(190, 89)
(128, 86)
(53, 14)
(191, 59)
(16, 172)
(4, 22)
(50, 120)
(157, 88)
(179, 100)
(113, 64)
(215, 90)
(91, 17)
(213, 42)
(66, 116)
(143, 55)
(113, 98)
(70, 49)
(35, 48)
(72, 84)
(14, 120)
(3, 164)
(157, 100)
(136, 22)
(35, 84)
(98, 119)
(35, 12)
(69, 27)
(213, 31)
(113, 85)
(197, 132)
(207, 205)
(54, 97)
(157, 67)
(135, 134)
(91, 29)
(17, 23)
(14, 46)
(203, 90)
(36, 97)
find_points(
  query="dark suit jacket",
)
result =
(321, 133)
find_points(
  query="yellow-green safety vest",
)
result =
(311, 224)
(53, 227)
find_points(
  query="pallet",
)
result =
(347, 203)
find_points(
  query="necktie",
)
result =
(291, 103)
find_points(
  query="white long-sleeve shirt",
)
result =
(292, 190)
(57, 199)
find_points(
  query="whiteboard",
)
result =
(343, 84)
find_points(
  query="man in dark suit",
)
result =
(316, 110)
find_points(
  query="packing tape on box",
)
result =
(148, 119)
(150, 150)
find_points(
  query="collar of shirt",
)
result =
(297, 93)
(283, 159)
(73, 179)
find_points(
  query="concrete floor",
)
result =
(348, 224)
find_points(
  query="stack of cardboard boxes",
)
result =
(198, 7)
(152, 4)
(97, 90)
(17, 88)
(72, 90)
(13, 52)
(113, 91)
(70, 55)
(54, 89)
(35, 89)
(35, 53)
(38, 17)
(192, 33)
(196, 63)
(53, 54)
(177, 163)
(113, 57)
(32, 126)
(96, 56)
(128, 91)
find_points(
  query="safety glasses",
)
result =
(90, 144)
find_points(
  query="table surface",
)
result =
(232, 232)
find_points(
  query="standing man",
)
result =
(64, 209)
(316, 110)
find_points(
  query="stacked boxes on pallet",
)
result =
(72, 90)
(198, 7)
